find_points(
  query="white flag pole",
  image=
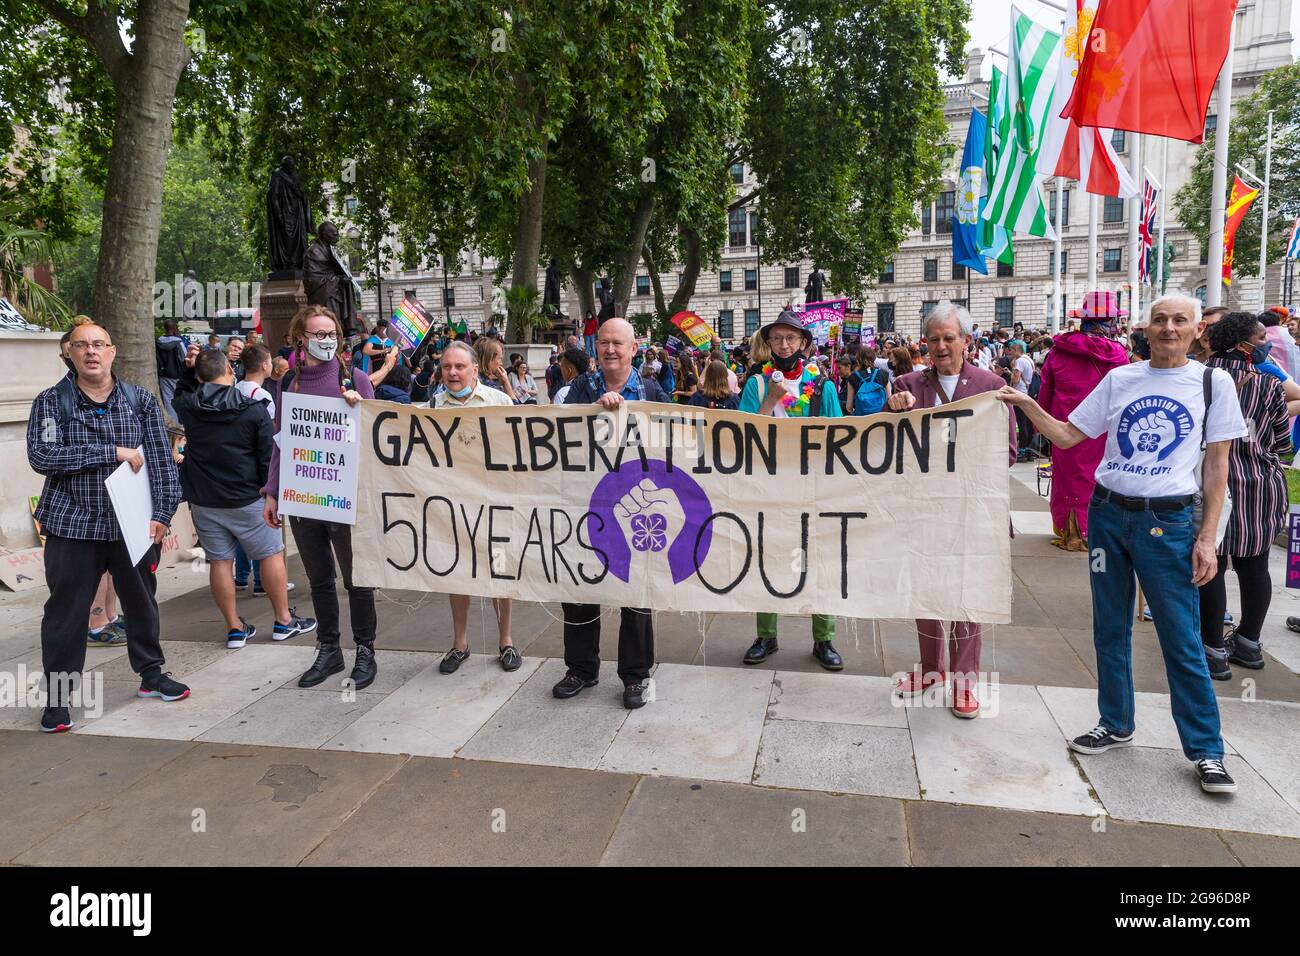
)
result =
(1263, 229)
(1055, 312)
(1218, 198)
(1135, 213)
(1164, 178)
(1092, 242)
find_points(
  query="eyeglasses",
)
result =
(785, 339)
(84, 346)
(322, 336)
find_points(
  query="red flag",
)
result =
(1149, 67)
(1238, 205)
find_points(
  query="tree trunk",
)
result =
(528, 228)
(625, 265)
(690, 273)
(145, 88)
(584, 281)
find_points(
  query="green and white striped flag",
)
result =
(1015, 198)
(994, 240)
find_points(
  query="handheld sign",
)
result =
(695, 329)
(318, 458)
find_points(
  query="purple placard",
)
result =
(1293, 548)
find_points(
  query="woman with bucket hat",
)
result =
(1075, 364)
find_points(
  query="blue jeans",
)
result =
(1157, 546)
(243, 565)
(589, 343)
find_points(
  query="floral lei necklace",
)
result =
(793, 405)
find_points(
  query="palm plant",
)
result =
(19, 246)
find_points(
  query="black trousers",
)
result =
(636, 642)
(1256, 595)
(1024, 429)
(73, 567)
(319, 543)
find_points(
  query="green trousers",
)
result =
(823, 626)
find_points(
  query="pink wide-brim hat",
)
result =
(1099, 305)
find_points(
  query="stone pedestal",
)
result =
(282, 296)
(29, 364)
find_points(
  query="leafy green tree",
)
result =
(1279, 91)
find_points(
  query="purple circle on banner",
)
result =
(695, 505)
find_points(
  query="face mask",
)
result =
(1260, 352)
(322, 350)
(463, 393)
(787, 364)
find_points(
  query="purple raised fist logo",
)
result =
(651, 511)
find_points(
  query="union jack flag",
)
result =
(1147, 229)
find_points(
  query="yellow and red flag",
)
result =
(695, 329)
(1238, 205)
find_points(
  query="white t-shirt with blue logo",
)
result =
(1152, 421)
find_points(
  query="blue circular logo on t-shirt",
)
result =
(1152, 427)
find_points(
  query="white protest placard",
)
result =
(22, 570)
(318, 458)
(133, 505)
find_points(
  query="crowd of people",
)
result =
(1167, 439)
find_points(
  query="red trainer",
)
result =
(914, 684)
(965, 703)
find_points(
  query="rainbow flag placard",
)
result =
(695, 329)
(412, 322)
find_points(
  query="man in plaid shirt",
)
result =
(76, 454)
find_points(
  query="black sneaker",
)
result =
(161, 685)
(571, 685)
(1251, 660)
(1219, 668)
(510, 658)
(452, 660)
(634, 695)
(1293, 624)
(761, 650)
(238, 637)
(1214, 778)
(1099, 740)
(297, 625)
(260, 591)
(56, 720)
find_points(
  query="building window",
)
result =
(1051, 261)
(927, 307)
(1004, 311)
(887, 275)
(1211, 124)
(642, 285)
(944, 210)
(1119, 140)
(958, 271)
(884, 317)
(751, 280)
(925, 219)
(751, 322)
(960, 302)
(680, 279)
(1205, 255)
(736, 228)
(449, 296)
(753, 228)
(1065, 206)
(931, 270)
(724, 281)
(1006, 270)
(792, 277)
(350, 206)
(1112, 209)
(1112, 260)
(726, 319)
(737, 173)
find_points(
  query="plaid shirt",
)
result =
(77, 456)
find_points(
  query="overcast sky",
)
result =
(991, 21)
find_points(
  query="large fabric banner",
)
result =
(888, 516)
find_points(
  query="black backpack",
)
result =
(66, 391)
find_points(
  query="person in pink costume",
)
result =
(1075, 364)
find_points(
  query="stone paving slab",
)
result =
(1254, 850)
(395, 669)
(47, 783)
(844, 699)
(839, 758)
(948, 835)
(436, 812)
(674, 822)
(1016, 759)
(534, 727)
(291, 717)
(259, 806)
(435, 714)
(1159, 786)
(217, 691)
(1075, 712)
(1267, 735)
(705, 723)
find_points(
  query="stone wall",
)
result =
(29, 364)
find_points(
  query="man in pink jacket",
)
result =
(1076, 363)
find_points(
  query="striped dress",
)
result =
(1255, 478)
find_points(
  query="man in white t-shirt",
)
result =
(1022, 375)
(1140, 520)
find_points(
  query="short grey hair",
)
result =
(458, 344)
(945, 310)
(1145, 319)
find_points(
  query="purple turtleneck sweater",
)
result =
(322, 380)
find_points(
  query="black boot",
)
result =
(761, 650)
(365, 669)
(1240, 654)
(329, 660)
(827, 656)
